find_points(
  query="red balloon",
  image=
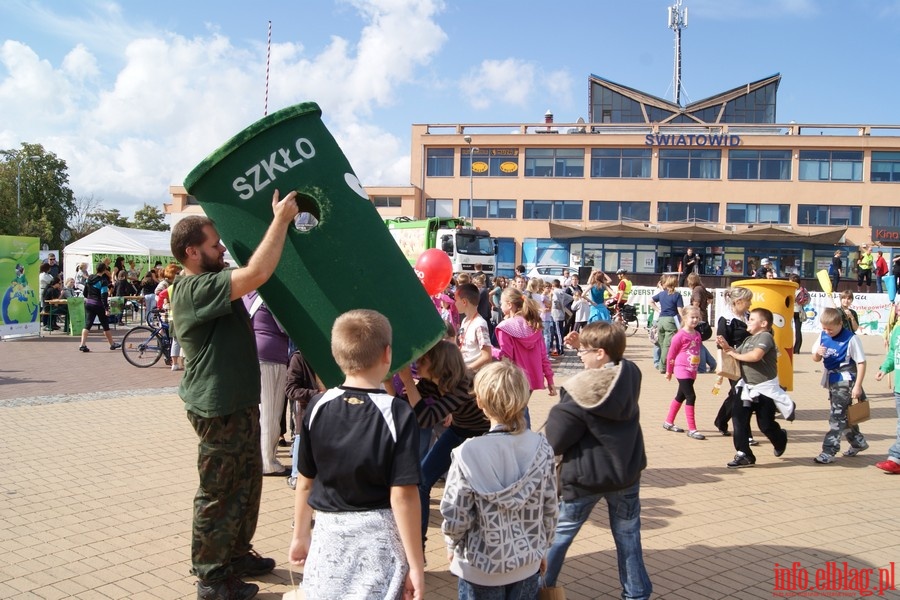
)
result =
(434, 269)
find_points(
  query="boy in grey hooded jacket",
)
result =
(596, 428)
(500, 502)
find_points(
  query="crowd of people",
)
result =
(366, 454)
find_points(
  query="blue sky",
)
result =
(133, 94)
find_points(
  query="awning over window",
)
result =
(696, 232)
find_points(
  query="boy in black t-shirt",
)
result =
(758, 358)
(359, 468)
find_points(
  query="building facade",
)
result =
(644, 179)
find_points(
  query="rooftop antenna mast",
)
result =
(678, 20)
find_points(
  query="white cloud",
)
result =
(510, 81)
(128, 134)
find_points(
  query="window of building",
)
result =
(439, 162)
(828, 165)
(779, 214)
(559, 210)
(608, 106)
(885, 166)
(386, 201)
(554, 162)
(884, 216)
(488, 209)
(685, 212)
(759, 164)
(490, 162)
(438, 207)
(757, 106)
(690, 164)
(815, 214)
(603, 210)
(620, 162)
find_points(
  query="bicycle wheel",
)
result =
(142, 347)
(631, 327)
(153, 318)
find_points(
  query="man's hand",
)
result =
(285, 210)
(879, 375)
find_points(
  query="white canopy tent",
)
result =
(115, 241)
(141, 244)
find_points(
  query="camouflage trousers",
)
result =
(226, 506)
(839, 396)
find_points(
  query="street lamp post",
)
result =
(472, 150)
(19, 186)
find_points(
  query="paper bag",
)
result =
(727, 367)
(296, 592)
(857, 413)
(552, 593)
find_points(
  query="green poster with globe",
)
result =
(20, 265)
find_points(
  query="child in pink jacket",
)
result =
(683, 360)
(521, 340)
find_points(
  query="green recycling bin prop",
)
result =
(777, 295)
(75, 306)
(346, 260)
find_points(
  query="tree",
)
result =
(150, 217)
(43, 189)
(81, 222)
(109, 217)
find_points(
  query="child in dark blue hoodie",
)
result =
(596, 429)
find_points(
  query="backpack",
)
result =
(802, 298)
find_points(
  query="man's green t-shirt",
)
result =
(755, 373)
(221, 373)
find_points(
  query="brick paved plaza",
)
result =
(96, 489)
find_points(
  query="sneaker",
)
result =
(889, 466)
(228, 589)
(740, 461)
(253, 565)
(670, 427)
(693, 433)
(752, 442)
(853, 451)
(115, 346)
(780, 452)
(554, 354)
(824, 459)
(292, 482)
(176, 367)
(84, 348)
(725, 432)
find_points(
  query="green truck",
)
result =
(466, 245)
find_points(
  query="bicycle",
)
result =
(626, 318)
(144, 346)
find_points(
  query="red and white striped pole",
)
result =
(268, 58)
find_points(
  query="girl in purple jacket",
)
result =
(683, 360)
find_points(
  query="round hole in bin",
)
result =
(308, 217)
